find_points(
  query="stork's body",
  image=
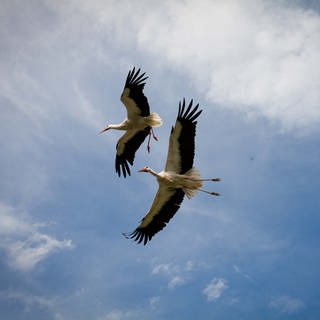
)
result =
(179, 177)
(190, 182)
(138, 124)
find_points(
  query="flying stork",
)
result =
(179, 177)
(138, 124)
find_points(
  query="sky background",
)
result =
(252, 253)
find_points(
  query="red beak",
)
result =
(142, 170)
(104, 130)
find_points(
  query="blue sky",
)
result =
(252, 253)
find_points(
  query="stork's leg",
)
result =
(212, 179)
(149, 138)
(211, 193)
(148, 145)
(153, 135)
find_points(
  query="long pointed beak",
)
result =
(103, 130)
(142, 170)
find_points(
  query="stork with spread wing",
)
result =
(138, 124)
(179, 177)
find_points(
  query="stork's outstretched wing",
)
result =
(126, 147)
(165, 204)
(181, 143)
(132, 96)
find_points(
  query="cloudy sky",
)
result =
(252, 253)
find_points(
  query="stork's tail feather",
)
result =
(154, 120)
(192, 182)
(193, 174)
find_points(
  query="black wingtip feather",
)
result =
(135, 75)
(137, 236)
(159, 221)
(135, 79)
(186, 139)
(188, 108)
(188, 114)
(121, 165)
(196, 115)
(127, 167)
(181, 110)
(127, 155)
(193, 111)
(139, 79)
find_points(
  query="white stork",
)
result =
(138, 124)
(179, 177)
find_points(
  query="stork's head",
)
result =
(105, 129)
(144, 169)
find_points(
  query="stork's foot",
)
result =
(153, 135)
(148, 145)
(216, 179)
(215, 194)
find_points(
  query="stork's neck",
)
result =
(155, 174)
(120, 126)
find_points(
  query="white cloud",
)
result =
(22, 241)
(215, 288)
(170, 271)
(255, 56)
(175, 282)
(25, 254)
(286, 304)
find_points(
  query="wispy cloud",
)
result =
(83, 110)
(154, 302)
(29, 300)
(239, 271)
(287, 304)
(164, 268)
(121, 315)
(177, 274)
(23, 242)
(215, 288)
(113, 315)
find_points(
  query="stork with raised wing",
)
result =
(138, 124)
(179, 177)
